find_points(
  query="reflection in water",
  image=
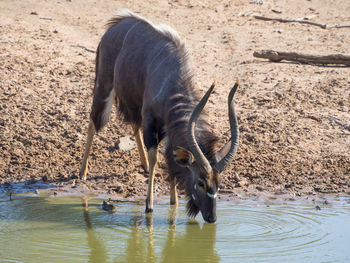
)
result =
(97, 250)
(195, 245)
(137, 250)
(69, 230)
(151, 255)
(172, 227)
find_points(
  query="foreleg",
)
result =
(173, 191)
(141, 148)
(150, 135)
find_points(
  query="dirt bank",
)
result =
(294, 118)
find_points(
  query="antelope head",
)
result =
(204, 174)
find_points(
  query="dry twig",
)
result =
(291, 21)
(339, 26)
(277, 56)
(46, 18)
(85, 48)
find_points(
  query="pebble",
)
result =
(107, 207)
(125, 143)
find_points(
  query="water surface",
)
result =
(44, 229)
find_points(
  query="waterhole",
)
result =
(62, 229)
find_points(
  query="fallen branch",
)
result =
(85, 48)
(46, 18)
(124, 201)
(339, 26)
(291, 21)
(277, 56)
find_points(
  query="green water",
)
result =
(38, 229)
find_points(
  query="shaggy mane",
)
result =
(163, 29)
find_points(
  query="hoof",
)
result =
(146, 170)
(81, 176)
(148, 210)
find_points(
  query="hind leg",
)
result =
(84, 165)
(141, 148)
(104, 97)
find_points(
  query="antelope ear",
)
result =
(183, 157)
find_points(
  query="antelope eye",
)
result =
(200, 184)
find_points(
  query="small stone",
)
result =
(287, 186)
(31, 181)
(236, 178)
(257, 2)
(260, 188)
(276, 11)
(108, 207)
(119, 189)
(242, 183)
(125, 143)
(279, 31)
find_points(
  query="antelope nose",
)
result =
(211, 219)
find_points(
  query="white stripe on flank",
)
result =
(160, 63)
(162, 86)
(159, 52)
(127, 33)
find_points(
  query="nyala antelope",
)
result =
(147, 71)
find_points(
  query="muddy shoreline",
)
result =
(39, 188)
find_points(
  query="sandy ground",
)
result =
(294, 118)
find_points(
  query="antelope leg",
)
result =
(152, 157)
(84, 165)
(173, 191)
(141, 148)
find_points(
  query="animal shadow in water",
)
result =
(197, 244)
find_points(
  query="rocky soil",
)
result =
(294, 118)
